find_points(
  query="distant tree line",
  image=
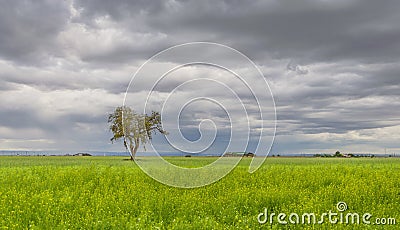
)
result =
(348, 155)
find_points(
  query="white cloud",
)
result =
(333, 68)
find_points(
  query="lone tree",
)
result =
(134, 128)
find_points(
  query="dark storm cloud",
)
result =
(333, 66)
(18, 119)
(338, 98)
(29, 29)
(30, 118)
(306, 30)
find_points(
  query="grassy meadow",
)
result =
(111, 193)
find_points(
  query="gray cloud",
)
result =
(333, 66)
(29, 29)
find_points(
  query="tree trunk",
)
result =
(134, 148)
(131, 152)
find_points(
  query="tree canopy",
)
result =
(134, 128)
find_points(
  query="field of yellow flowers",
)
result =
(110, 193)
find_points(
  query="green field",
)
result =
(110, 193)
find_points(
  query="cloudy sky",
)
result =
(333, 68)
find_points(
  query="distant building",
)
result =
(238, 154)
(82, 154)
